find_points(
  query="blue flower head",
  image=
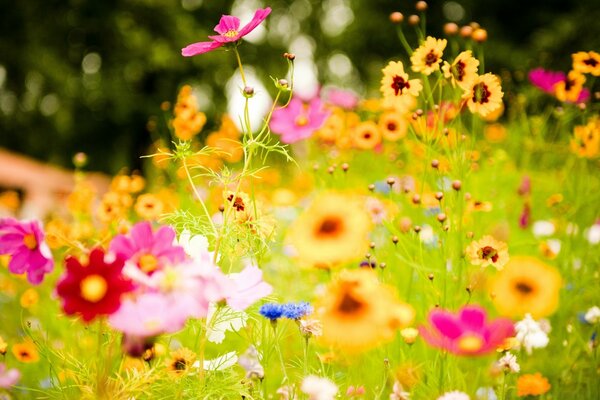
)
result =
(297, 310)
(272, 311)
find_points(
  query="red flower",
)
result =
(95, 288)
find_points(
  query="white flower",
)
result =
(456, 395)
(222, 320)
(318, 388)
(508, 363)
(428, 236)
(195, 246)
(311, 327)
(592, 315)
(554, 245)
(593, 234)
(251, 364)
(530, 334)
(399, 393)
(543, 228)
(220, 363)
(485, 393)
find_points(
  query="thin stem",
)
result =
(191, 181)
(239, 61)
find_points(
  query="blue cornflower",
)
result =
(297, 310)
(272, 311)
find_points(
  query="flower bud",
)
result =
(450, 29)
(396, 17)
(466, 31)
(456, 185)
(414, 20)
(421, 6)
(479, 35)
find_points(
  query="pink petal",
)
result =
(19, 261)
(227, 23)
(199, 48)
(473, 318)
(499, 330)
(446, 324)
(142, 235)
(259, 16)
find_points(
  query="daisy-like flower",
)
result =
(229, 31)
(24, 242)
(530, 334)
(454, 395)
(181, 361)
(318, 388)
(393, 126)
(8, 377)
(571, 89)
(427, 58)
(532, 385)
(462, 70)
(508, 363)
(398, 91)
(483, 94)
(298, 120)
(25, 352)
(148, 206)
(488, 251)
(398, 392)
(586, 139)
(468, 333)
(366, 135)
(592, 316)
(310, 327)
(93, 288)
(587, 62)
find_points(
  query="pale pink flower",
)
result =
(298, 120)
(345, 99)
(8, 377)
(249, 288)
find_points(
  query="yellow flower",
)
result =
(332, 230)
(484, 94)
(428, 56)
(3, 346)
(532, 385)
(586, 139)
(570, 89)
(10, 200)
(495, 133)
(29, 298)
(488, 251)
(25, 352)
(188, 121)
(409, 335)
(357, 312)
(181, 360)
(80, 200)
(587, 63)
(398, 91)
(149, 206)
(462, 70)
(526, 285)
(393, 126)
(367, 135)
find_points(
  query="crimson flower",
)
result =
(229, 31)
(94, 288)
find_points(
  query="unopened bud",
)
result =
(390, 181)
(289, 56)
(435, 164)
(421, 6)
(417, 228)
(466, 31)
(414, 20)
(396, 17)
(395, 239)
(479, 35)
(249, 91)
(371, 187)
(456, 185)
(283, 83)
(441, 217)
(439, 196)
(416, 199)
(345, 167)
(450, 29)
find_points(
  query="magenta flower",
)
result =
(147, 251)
(249, 288)
(24, 242)
(298, 120)
(545, 80)
(8, 377)
(345, 99)
(467, 333)
(229, 31)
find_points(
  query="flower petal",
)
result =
(199, 48)
(259, 16)
(446, 324)
(227, 23)
(472, 318)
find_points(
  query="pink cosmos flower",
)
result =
(468, 333)
(229, 31)
(8, 377)
(298, 120)
(24, 242)
(345, 99)
(545, 80)
(249, 288)
(146, 251)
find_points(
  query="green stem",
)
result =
(191, 181)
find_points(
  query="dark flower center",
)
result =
(481, 93)
(329, 226)
(399, 84)
(459, 71)
(488, 253)
(179, 364)
(591, 62)
(349, 304)
(524, 288)
(569, 83)
(430, 58)
(238, 204)
(391, 126)
(367, 135)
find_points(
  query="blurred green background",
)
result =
(85, 75)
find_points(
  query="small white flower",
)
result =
(220, 363)
(592, 315)
(531, 334)
(223, 320)
(543, 228)
(508, 363)
(485, 393)
(593, 234)
(318, 388)
(399, 393)
(455, 395)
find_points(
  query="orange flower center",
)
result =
(231, 33)
(301, 120)
(330, 226)
(148, 263)
(30, 241)
(93, 288)
(470, 343)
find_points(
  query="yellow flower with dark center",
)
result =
(586, 139)
(462, 70)
(331, 231)
(358, 312)
(25, 352)
(570, 89)
(526, 285)
(393, 126)
(428, 56)
(532, 385)
(29, 298)
(367, 135)
(3, 346)
(483, 94)
(181, 361)
(148, 206)
(488, 252)
(587, 62)
(398, 91)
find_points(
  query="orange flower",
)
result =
(25, 352)
(367, 135)
(532, 385)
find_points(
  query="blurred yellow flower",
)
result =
(393, 126)
(149, 206)
(587, 62)
(366, 135)
(3, 346)
(532, 385)
(25, 352)
(181, 361)
(462, 70)
(427, 58)
(488, 251)
(586, 139)
(570, 88)
(398, 91)
(29, 298)
(483, 95)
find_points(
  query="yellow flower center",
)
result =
(470, 343)
(301, 120)
(152, 324)
(231, 33)
(93, 288)
(30, 241)
(148, 263)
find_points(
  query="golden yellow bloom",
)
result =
(393, 126)
(570, 89)
(358, 312)
(495, 133)
(9, 199)
(587, 63)
(367, 135)
(488, 251)
(230, 148)
(586, 139)
(25, 352)
(409, 335)
(149, 206)
(188, 121)
(532, 385)
(428, 56)
(181, 361)
(462, 70)
(3, 346)
(332, 230)
(29, 298)
(484, 94)
(526, 285)
(398, 91)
